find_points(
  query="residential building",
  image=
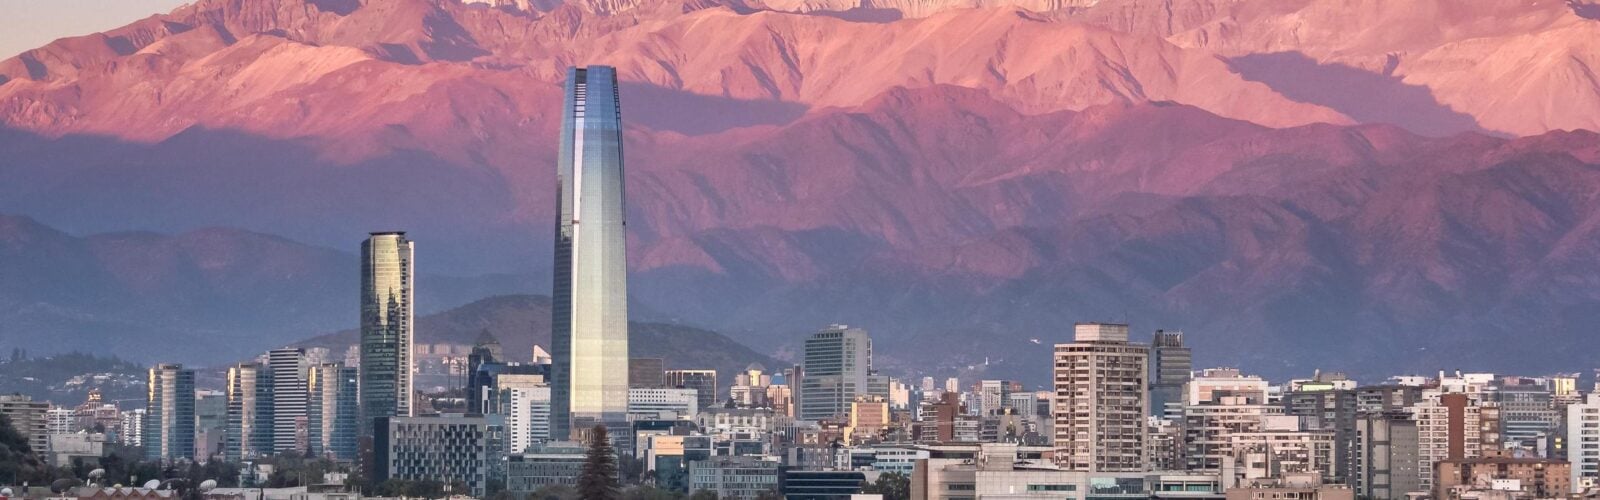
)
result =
(589, 314)
(29, 418)
(1386, 456)
(1535, 477)
(1100, 382)
(1448, 428)
(1583, 443)
(1295, 487)
(387, 330)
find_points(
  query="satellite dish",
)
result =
(152, 484)
(5, 492)
(97, 473)
(208, 485)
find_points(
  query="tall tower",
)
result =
(589, 331)
(1101, 400)
(1170, 366)
(169, 414)
(331, 410)
(249, 432)
(838, 368)
(288, 367)
(386, 326)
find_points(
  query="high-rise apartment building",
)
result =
(1171, 364)
(387, 316)
(1449, 427)
(1583, 442)
(589, 332)
(1100, 382)
(333, 410)
(28, 417)
(838, 368)
(289, 369)
(704, 383)
(169, 424)
(250, 425)
(1385, 456)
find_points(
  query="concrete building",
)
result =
(289, 370)
(1535, 477)
(663, 404)
(736, 478)
(704, 383)
(869, 417)
(1293, 487)
(669, 455)
(450, 448)
(387, 327)
(589, 313)
(1583, 442)
(1209, 429)
(525, 402)
(1213, 384)
(28, 417)
(169, 422)
(1008, 471)
(1100, 382)
(1448, 428)
(1386, 456)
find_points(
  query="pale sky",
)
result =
(27, 24)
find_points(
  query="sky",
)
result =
(27, 24)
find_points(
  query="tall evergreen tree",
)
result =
(598, 481)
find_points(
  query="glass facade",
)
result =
(386, 327)
(169, 414)
(589, 335)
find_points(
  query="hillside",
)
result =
(521, 321)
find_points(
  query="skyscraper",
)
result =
(386, 326)
(249, 432)
(1101, 400)
(838, 368)
(1170, 367)
(589, 331)
(332, 410)
(704, 383)
(288, 399)
(169, 414)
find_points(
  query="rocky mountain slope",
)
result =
(1288, 181)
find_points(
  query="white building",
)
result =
(1583, 442)
(526, 400)
(663, 404)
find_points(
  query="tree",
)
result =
(554, 492)
(703, 495)
(769, 495)
(650, 493)
(892, 485)
(598, 481)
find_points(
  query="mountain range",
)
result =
(1342, 184)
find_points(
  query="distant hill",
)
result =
(65, 379)
(521, 321)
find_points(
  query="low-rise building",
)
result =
(740, 478)
(1535, 477)
(557, 463)
(1291, 487)
(449, 448)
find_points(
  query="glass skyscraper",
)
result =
(589, 334)
(169, 414)
(386, 327)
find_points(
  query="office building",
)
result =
(333, 410)
(169, 423)
(480, 380)
(525, 402)
(647, 373)
(1332, 410)
(1101, 398)
(1171, 364)
(589, 313)
(288, 399)
(663, 404)
(28, 417)
(387, 324)
(250, 424)
(448, 448)
(837, 368)
(704, 383)
(737, 478)
(668, 457)
(550, 464)
(1528, 414)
